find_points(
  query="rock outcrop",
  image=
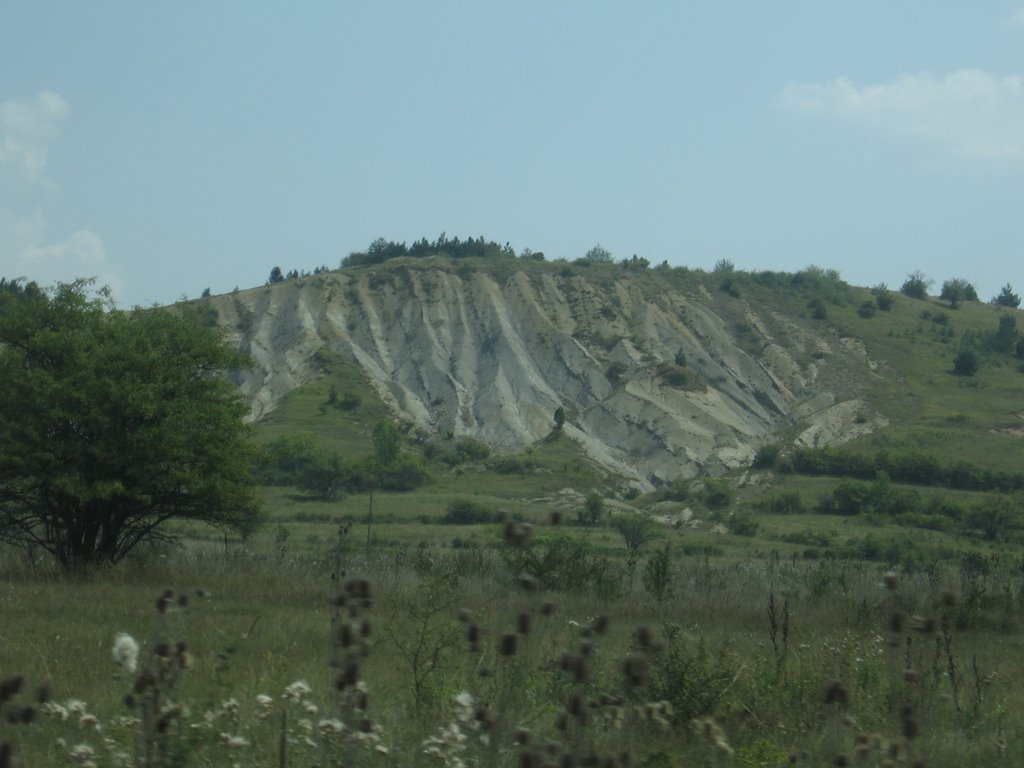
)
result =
(652, 377)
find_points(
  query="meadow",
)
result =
(534, 641)
(499, 615)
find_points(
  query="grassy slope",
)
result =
(931, 411)
(267, 621)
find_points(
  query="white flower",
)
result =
(82, 752)
(331, 726)
(55, 710)
(126, 652)
(264, 701)
(235, 742)
(77, 707)
(230, 706)
(297, 690)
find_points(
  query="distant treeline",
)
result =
(381, 250)
(901, 467)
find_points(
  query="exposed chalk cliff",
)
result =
(491, 353)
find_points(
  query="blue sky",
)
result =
(169, 147)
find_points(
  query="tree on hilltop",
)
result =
(916, 285)
(1007, 298)
(956, 291)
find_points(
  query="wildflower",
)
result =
(331, 726)
(234, 742)
(77, 707)
(263, 706)
(126, 652)
(55, 710)
(230, 706)
(82, 752)
(297, 690)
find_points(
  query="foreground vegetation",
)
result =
(415, 599)
(539, 645)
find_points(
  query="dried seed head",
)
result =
(835, 693)
(925, 626)
(11, 687)
(183, 600)
(910, 728)
(601, 624)
(522, 736)
(896, 622)
(518, 534)
(891, 580)
(527, 582)
(524, 623)
(465, 615)
(586, 648)
(949, 599)
(635, 669)
(556, 518)
(548, 608)
(507, 646)
(345, 636)
(645, 638)
(582, 672)
(576, 704)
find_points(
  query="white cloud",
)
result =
(968, 113)
(27, 128)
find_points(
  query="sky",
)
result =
(165, 148)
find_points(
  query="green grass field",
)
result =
(724, 632)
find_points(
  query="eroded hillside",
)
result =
(659, 378)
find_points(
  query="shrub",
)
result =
(592, 510)
(717, 494)
(657, 575)
(789, 503)
(766, 456)
(467, 512)
(916, 285)
(883, 297)
(958, 290)
(743, 524)
(966, 363)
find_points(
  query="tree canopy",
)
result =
(114, 423)
(1007, 298)
(958, 290)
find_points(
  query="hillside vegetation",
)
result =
(522, 512)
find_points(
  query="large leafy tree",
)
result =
(113, 424)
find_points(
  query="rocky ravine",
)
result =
(467, 352)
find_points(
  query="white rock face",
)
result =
(462, 351)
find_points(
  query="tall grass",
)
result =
(453, 655)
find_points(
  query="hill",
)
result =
(662, 373)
